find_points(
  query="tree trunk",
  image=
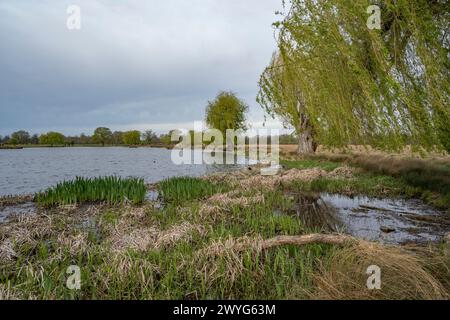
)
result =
(305, 130)
(306, 143)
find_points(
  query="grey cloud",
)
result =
(132, 62)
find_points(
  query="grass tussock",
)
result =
(150, 238)
(404, 275)
(111, 190)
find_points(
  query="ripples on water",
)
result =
(30, 170)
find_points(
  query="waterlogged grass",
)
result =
(378, 179)
(181, 251)
(178, 270)
(181, 189)
(362, 184)
(427, 179)
(111, 190)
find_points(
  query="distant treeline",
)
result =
(101, 136)
(104, 136)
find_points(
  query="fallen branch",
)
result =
(306, 239)
(217, 248)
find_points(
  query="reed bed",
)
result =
(181, 189)
(111, 190)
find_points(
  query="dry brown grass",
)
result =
(293, 175)
(74, 243)
(224, 259)
(231, 245)
(14, 200)
(140, 239)
(387, 164)
(407, 152)
(244, 181)
(404, 275)
(179, 232)
(7, 252)
(8, 293)
(126, 236)
(124, 265)
(226, 200)
(219, 204)
(342, 172)
(286, 178)
(28, 230)
(258, 244)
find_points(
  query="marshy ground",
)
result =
(223, 237)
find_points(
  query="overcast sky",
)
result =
(143, 64)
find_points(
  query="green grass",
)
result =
(308, 164)
(177, 271)
(111, 190)
(181, 189)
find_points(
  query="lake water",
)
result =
(27, 171)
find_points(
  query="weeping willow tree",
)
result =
(339, 82)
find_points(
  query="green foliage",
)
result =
(117, 137)
(102, 135)
(20, 137)
(288, 139)
(182, 189)
(226, 111)
(52, 138)
(444, 134)
(385, 88)
(34, 139)
(149, 137)
(166, 139)
(112, 190)
(132, 137)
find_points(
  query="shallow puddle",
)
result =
(153, 196)
(91, 227)
(314, 212)
(17, 209)
(393, 221)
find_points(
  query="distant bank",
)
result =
(10, 147)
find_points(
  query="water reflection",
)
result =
(26, 208)
(393, 221)
(314, 213)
